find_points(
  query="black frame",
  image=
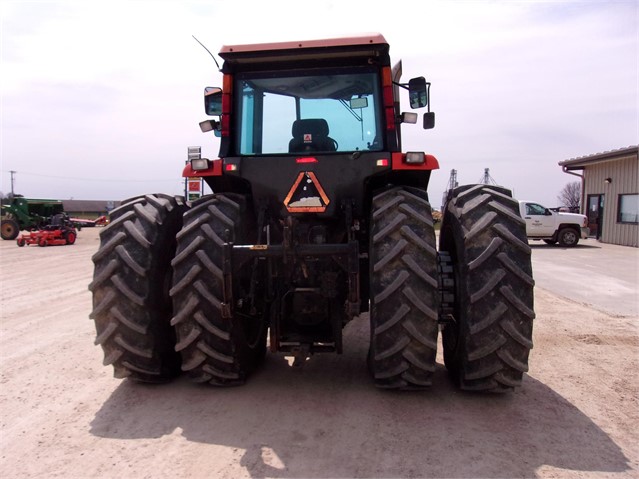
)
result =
(619, 220)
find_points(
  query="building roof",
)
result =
(582, 161)
(89, 206)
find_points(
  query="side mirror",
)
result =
(213, 101)
(429, 120)
(417, 92)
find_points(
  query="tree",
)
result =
(570, 196)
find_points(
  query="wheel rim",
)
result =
(8, 229)
(570, 238)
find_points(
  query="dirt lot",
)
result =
(63, 415)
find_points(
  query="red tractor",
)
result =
(60, 231)
(317, 217)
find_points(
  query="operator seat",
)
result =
(311, 135)
(55, 222)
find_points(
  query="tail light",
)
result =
(306, 160)
(387, 92)
(227, 105)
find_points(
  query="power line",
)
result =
(105, 180)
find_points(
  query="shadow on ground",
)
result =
(328, 420)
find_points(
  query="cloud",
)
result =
(114, 90)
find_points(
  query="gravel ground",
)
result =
(64, 415)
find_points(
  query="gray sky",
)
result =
(100, 100)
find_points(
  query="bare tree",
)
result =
(570, 196)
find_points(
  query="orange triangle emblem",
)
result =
(306, 195)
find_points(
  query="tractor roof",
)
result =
(364, 39)
(365, 45)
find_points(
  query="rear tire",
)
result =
(403, 290)
(132, 276)
(220, 343)
(9, 229)
(486, 346)
(69, 237)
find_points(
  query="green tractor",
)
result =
(317, 217)
(27, 214)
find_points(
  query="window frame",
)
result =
(239, 112)
(529, 207)
(620, 197)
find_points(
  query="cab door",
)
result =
(539, 221)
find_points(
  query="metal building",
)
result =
(610, 193)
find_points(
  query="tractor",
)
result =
(19, 214)
(59, 231)
(317, 217)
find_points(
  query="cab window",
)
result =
(347, 102)
(534, 209)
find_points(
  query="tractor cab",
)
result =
(330, 107)
(342, 97)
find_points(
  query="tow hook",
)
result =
(300, 355)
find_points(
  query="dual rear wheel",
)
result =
(489, 336)
(132, 277)
(478, 285)
(164, 300)
(161, 296)
(404, 295)
(221, 336)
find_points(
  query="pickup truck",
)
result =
(551, 226)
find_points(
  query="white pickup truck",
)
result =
(551, 226)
